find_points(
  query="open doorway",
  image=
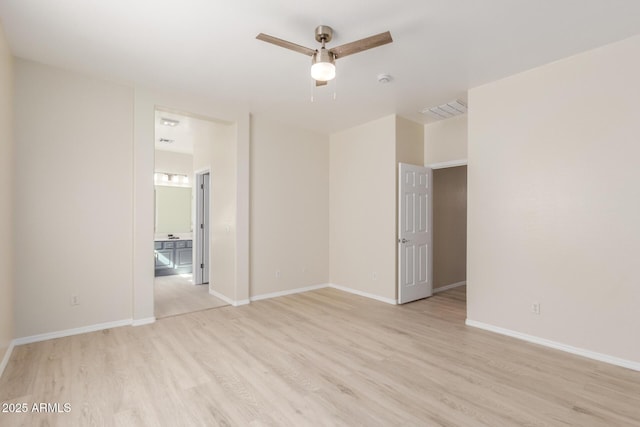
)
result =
(182, 214)
(450, 230)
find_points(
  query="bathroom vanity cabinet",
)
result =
(173, 257)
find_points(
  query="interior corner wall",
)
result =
(362, 207)
(223, 212)
(74, 199)
(215, 150)
(554, 201)
(289, 208)
(6, 196)
(409, 142)
(445, 140)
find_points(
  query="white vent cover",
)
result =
(444, 111)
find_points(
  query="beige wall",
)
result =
(223, 212)
(168, 161)
(362, 208)
(143, 205)
(73, 199)
(289, 207)
(554, 201)
(445, 140)
(6, 198)
(449, 226)
(409, 142)
(36, 120)
(215, 150)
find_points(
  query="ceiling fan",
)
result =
(323, 60)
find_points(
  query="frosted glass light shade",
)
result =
(323, 71)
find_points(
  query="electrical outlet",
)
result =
(374, 276)
(535, 308)
(277, 274)
(74, 300)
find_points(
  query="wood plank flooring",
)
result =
(176, 294)
(321, 358)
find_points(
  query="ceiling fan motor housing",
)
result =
(323, 55)
(324, 33)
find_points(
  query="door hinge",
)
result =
(202, 186)
(201, 226)
(201, 265)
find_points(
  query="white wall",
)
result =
(554, 201)
(171, 162)
(362, 208)
(289, 207)
(215, 150)
(74, 196)
(6, 196)
(445, 140)
(143, 205)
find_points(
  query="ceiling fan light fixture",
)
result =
(323, 66)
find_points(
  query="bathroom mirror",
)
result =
(173, 209)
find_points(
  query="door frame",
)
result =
(201, 242)
(449, 164)
(145, 103)
(445, 165)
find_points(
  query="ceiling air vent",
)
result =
(445, 111)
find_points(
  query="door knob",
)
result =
(403, 240)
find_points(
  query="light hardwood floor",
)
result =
(177, 295)
(319, 358)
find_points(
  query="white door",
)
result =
(414, 233)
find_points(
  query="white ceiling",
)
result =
(208, 48)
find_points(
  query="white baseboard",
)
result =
(227, 299)
(7, 356)
(364, 294)
(141, 322)
(241, 302)
(222, 297)
(321, 286)
(446, 288)
(74, 331)
(557, 345)
(287, 292)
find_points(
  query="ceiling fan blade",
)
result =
(320, 83)
(362, 44)
(287, 45)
